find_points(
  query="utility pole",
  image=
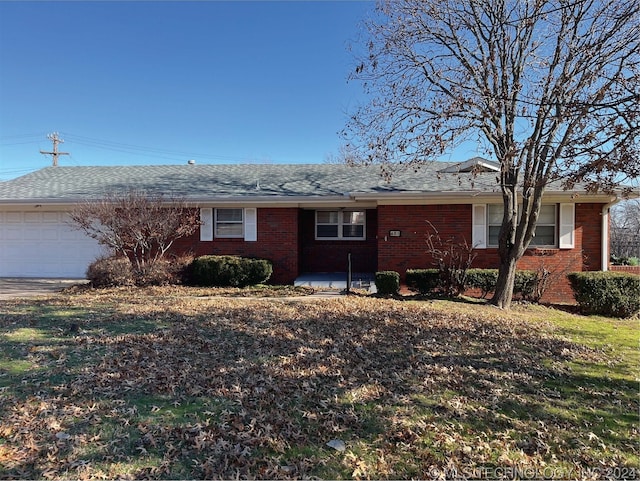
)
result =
(56, 140)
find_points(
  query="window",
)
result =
(545, 234)
(228, 223)
(340, 224)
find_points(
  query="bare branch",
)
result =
(136, 225)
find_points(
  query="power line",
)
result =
(141, 150)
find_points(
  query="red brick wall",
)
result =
(332, 255)
(627, 269)
(277, 241)
(409, 250)
(454, 221)
(286, 237)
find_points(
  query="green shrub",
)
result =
(229, 271)
(634, 261)
(387, 282)
(525, 284)
(614, 294)
(423, 280)
(483, 279)
(110, 272)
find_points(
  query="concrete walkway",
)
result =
(11, 288)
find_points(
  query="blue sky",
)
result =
(156, 82)
(163, 82)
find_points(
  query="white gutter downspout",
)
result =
(604, 241)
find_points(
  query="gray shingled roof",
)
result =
(72, 184)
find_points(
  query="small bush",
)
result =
(624, 261)
(423, 280)
(387, 282)
(181, 269)
(110, 272)
(525, 282)
(614, 294)
(229, 271)
(164, 272)
(483, 279)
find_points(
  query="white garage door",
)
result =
(43, 244)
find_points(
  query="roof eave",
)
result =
(476, 196)
(369, 198)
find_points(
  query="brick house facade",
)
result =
(310, 218)
(286, 237)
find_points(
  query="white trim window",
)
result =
(341, 224)
(546, 228)
(229, 223)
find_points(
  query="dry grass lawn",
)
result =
(171, 383)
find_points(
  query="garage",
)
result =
(43, 244)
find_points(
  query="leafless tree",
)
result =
(625, 229)
(549, 88)
(346, 155)
(139, 226)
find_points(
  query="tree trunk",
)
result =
(504, 286)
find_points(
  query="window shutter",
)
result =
(567, 226)
(251, 224)
(206, 228)
(479, 227)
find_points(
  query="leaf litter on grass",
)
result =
(224, 388)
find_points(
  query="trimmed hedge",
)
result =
(486, 279)
(229, 271)
(423, 280)
(387, 282)
(428, 280)
(483, 279)
(525, 284)
(614, 294)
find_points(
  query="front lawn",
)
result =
(176, 384)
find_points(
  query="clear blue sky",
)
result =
(163, 82)
(156, 82)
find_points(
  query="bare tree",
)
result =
(549, 88)
(625, 229)
(136, 225)
(346, 155)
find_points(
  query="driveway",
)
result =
(13, 287)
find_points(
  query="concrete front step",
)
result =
(337, 280)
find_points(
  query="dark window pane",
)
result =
(494, 233)
(545, 236)
(327, 231)
(352, 231)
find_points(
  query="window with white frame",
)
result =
(229, 223)
(340, 224)
(546, 228)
